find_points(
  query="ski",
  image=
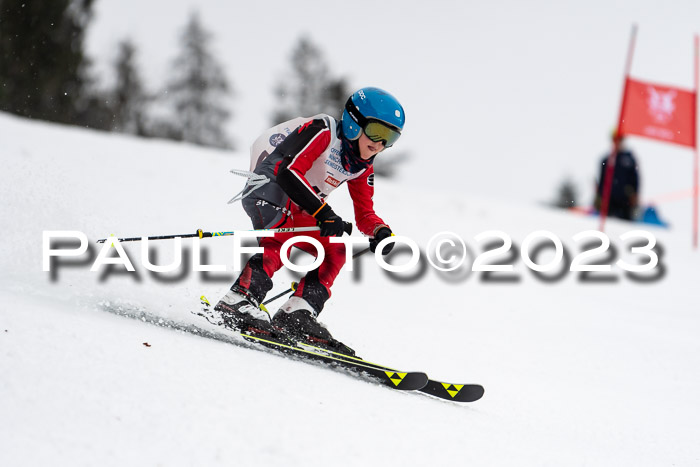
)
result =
(394, 379)
(447, 391)
(387, 376)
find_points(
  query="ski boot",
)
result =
(297, 320)
(240, 312)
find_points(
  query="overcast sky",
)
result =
(486, 85)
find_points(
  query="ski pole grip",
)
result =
(347, 227)
(203, 234)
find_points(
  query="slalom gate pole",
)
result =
(293, 288)
(610, 165)
(201, 234)
(696, 156)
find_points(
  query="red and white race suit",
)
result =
(302, 160)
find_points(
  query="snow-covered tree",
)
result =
(128, 98)
(309, 87)
(198, 90)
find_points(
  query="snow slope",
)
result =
(577, 372)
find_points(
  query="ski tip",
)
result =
(454, 392)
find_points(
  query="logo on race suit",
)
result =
(332, 181)
(276, 139)
(370, 180)
(661, 105)
(263, 203)
(333, 161)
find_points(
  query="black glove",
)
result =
(331, 224)
(384, 232)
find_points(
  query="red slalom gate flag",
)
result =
(659, 112)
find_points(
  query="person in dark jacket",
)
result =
(624, 193)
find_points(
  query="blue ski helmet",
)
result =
(373, 105)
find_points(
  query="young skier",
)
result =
(296, 166)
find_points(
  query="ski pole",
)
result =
(347, 227)
(293, 288)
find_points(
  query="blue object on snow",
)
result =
(650, 216)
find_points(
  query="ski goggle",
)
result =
(378, 131)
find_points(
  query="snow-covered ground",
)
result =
(577, 371)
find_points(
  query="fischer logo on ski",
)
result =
(395, 378)
(452, 389)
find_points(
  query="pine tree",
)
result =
(43, 67)
(128, 99)
(309, 89)
(566, 195)
(198, 91)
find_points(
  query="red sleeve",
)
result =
(361, 191)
